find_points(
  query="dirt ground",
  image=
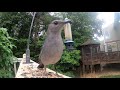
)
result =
(110, 69)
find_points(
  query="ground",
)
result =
(109, 71)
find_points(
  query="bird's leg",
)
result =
(55, 70)
(45, 72)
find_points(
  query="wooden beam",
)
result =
(15, 70)
(112, 41)
(91, 69)
(91, 51)
(101, 67)
(117, 46)
(82, 53)
(83, 68)
(117, 49)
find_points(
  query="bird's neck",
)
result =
(58, 33)
(54, 36)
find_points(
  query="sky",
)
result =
(108, 18)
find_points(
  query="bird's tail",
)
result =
(41, 65)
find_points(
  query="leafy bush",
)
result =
(6, 54)
(35, 48)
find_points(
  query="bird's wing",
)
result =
(40, 63)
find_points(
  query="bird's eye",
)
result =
(55, 22)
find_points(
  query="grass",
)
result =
(111, 76)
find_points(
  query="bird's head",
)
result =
(57, 25)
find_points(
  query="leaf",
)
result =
(6, 55)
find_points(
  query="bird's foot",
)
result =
(45, 72)
(40, 67)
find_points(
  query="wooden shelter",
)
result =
(89, 55)
(92, 55)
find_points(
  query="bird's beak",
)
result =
(68, 21)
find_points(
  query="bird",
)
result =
(53, 46)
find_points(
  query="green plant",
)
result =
(69, 73)
(6, 54)
(111, 76)
(84, 24)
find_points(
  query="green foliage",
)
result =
(17, 23)
(70, 57)
(6, 54)
(84, 25)
(21, 47)
(111, 76)
(68, 73)
(36, 48)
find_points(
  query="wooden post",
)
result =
(91, 51)
(24, 57)
(82, 53)
(117, 49)
(15, 70)
(101, 67)
(97, 49)
(87, 68)
(104, 47)
(91, 68)
(91, 58)
(83, 69)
